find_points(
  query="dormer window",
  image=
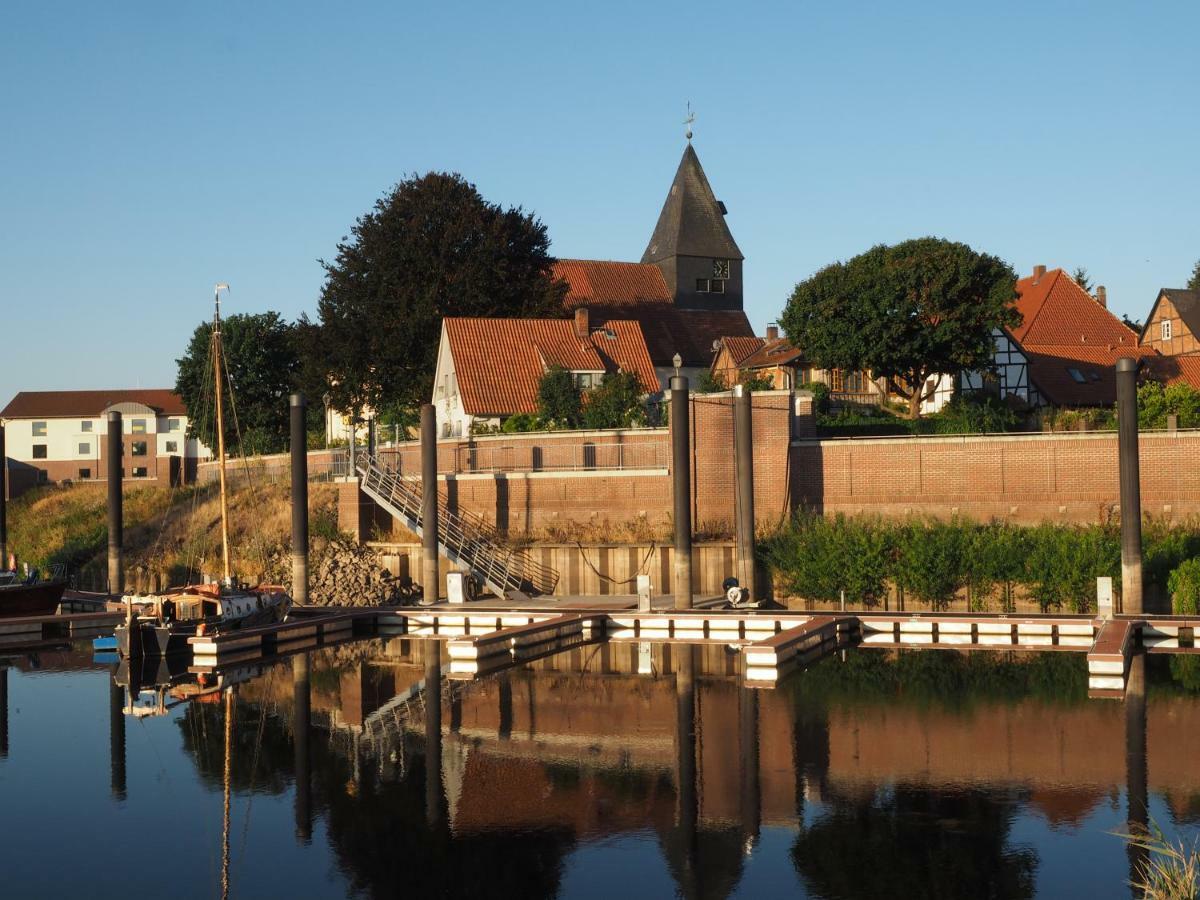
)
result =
(1166, 329)
(585, 381)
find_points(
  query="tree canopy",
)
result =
(907, 313)
(263, 365)
(1081, 278)
(432, 247)
(1194, 282)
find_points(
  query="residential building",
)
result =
(61, 436)
(1173, 326)
(490, 369)
(774, 358)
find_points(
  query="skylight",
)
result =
(1077, 375)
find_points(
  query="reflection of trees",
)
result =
(916, 842)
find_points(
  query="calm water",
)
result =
(881, 775)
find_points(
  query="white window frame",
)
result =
(1166, 329)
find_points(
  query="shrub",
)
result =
(617, 403)
(819, 557)
(820, 392)
(560, 403)
(930, 560)
(709, 382)
(1156, 401)
(521, 422)
(1184, 586)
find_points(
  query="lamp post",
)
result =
(325, 400)
(677, 361)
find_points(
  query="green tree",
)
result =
(907, 313)
(617, 403)
(560, 403)
(1156, 401)
(755, 381)
(710, 382)
(431, 247)
(263, 365)
(1080, 276)
(1194, 282)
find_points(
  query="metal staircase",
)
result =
(463, 538)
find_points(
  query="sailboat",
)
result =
(161, 624)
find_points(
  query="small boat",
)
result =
(31, 596)
(157, 625)
(101, 644)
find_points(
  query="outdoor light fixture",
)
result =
(677, 361)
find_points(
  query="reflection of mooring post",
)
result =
(301, 724)
(429, 504)
(681, 488)
(116, 577)
(751, 793)
(687, 807)
(3, 501)
(743, 454)
(116, 739)
(299, 500)
(1136, 789)
(433, 733)
(1131, 493)
(3, 710)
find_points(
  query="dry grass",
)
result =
(165, 530)
(1171, 870)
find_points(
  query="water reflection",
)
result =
(651, 771)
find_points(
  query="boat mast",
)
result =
(216, 345)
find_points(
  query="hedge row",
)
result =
(932, 560)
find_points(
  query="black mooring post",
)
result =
(1131, 492)
(301, 727)
(3, 501)
(681, 489)
(751, 788)
(743, 451)
(299, 500)
(116, 537)
(429, 504)
(372, 438)
(116, 739)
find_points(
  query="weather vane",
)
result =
(691, 117)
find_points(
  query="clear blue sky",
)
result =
(149, 150)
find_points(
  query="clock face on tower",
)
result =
(720, 268)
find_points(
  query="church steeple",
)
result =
(693, 246)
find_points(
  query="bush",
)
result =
(709, 382)
(1157, 401)
(521, 422)
(819, 557)
(617, 403)
(930, 560)
(969, 416)
(820, 392)
(1184, 586)
(560, 404)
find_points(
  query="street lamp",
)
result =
(325, 399)
(677, 361)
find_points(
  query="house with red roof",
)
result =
(1173, 326)
(60, 436)
(490, 369)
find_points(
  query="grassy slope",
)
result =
(165, 530)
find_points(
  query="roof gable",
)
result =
(499, 363)
(692, 221)
(1186, 303)
(64, 404)
(1058, 312)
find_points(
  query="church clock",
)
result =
(720, 268)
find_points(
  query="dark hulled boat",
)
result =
(30, 597)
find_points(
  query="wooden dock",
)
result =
(38, 631)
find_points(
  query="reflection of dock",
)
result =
(37, 632)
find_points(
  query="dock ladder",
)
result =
(463, 538)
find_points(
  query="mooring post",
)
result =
(751, 793)
(301, 726)
(3, 501)
(681, 489)
(116, 739)
(1131, 492)
(429, 504)
(116, 539)
(743, 455)
(372, 437)
(299, 409)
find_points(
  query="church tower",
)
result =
(692, 245)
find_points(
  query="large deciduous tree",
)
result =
(432, 247)
(263, 366)
(1194, 282)
(907, 313)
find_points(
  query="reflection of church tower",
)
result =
(692, 245)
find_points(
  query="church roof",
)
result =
(593, 282)
(692, 221)
(689, 332)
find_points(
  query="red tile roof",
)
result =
(1050, 369)
(741, 348)
(1175, 369)
(1058, 311)
(499, 362)
(63, 404)
(593, 283)
(777, 352)
(689, 332)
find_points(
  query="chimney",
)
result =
(581, 323)
(1102, 296)
(772, 332)
(1038, 272)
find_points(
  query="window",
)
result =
(1076, 375)
(138, 448)
(710, 285)
(39, 429)
(137, 426)
(835, 380)
(1166, 329)
(43, 476)
(39, 451)
(85, 449)
(139, 471)
(585, 381)
(172, 424)
(172, 446)
(85, 426)
(85, 474)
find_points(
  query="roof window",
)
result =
(1076, 375)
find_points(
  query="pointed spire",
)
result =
(692, 221)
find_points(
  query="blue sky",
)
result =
(150, 149)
